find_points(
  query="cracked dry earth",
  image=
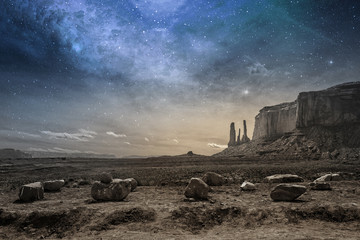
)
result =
(162, 212)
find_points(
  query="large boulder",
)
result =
(329, 177)
(197, 189)
(287, 192)
(247, 186)
(117, 190)
(213, 179)
(54, 185)
(283, 178)
(31, 192)
(133, 183)
(320, 186)
(105, 177)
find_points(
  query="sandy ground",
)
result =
(162, 212)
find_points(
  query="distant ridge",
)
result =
(43, 154)
(9, 153)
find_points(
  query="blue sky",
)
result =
(162, 77)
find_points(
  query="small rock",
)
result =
(133, 183)
(329, 177)
(287, 192)
(83, 182)
(247, 186)
(197, 189)
(117, 190)
(31, 192)
(105, 177)
(283, 178)
(54, 185)
(229, 180)
(320, 186)
(213, 179)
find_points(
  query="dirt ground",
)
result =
(157, 209)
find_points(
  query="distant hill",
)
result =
(43, 154)
(9, 153)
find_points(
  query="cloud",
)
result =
(146, 139)
(259, 69)
(215, 145)
(116, 135)
(127, 143)
(25, 134)
(81, 136)
(57, 150)
(176, 141)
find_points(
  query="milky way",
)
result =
(162, 77)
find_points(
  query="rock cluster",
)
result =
(116, 190)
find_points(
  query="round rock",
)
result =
(197, 189)
(105, 177)
(54, 185)
(247, 186)
(213, 179)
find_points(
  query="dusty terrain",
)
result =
(157, 209)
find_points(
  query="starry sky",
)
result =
(131, 77)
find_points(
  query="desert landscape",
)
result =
(158, 209)
(232, 194)
(180, 119)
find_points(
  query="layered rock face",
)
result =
(276, 120)
(334, 106)
(318, 125)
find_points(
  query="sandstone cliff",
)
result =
(331, 107)
(321, 124)
(274, 121)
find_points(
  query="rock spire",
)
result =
(232, 135)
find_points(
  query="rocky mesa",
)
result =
(318, 124)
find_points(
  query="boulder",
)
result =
(133, 183)
(247, 186)
(213, 179)
(105, 177)
(287, 192)
(197, 189)
(54, 185)
(329, 177)
(117, 190)
(320, 186)
(31, 192)
(283, 178)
